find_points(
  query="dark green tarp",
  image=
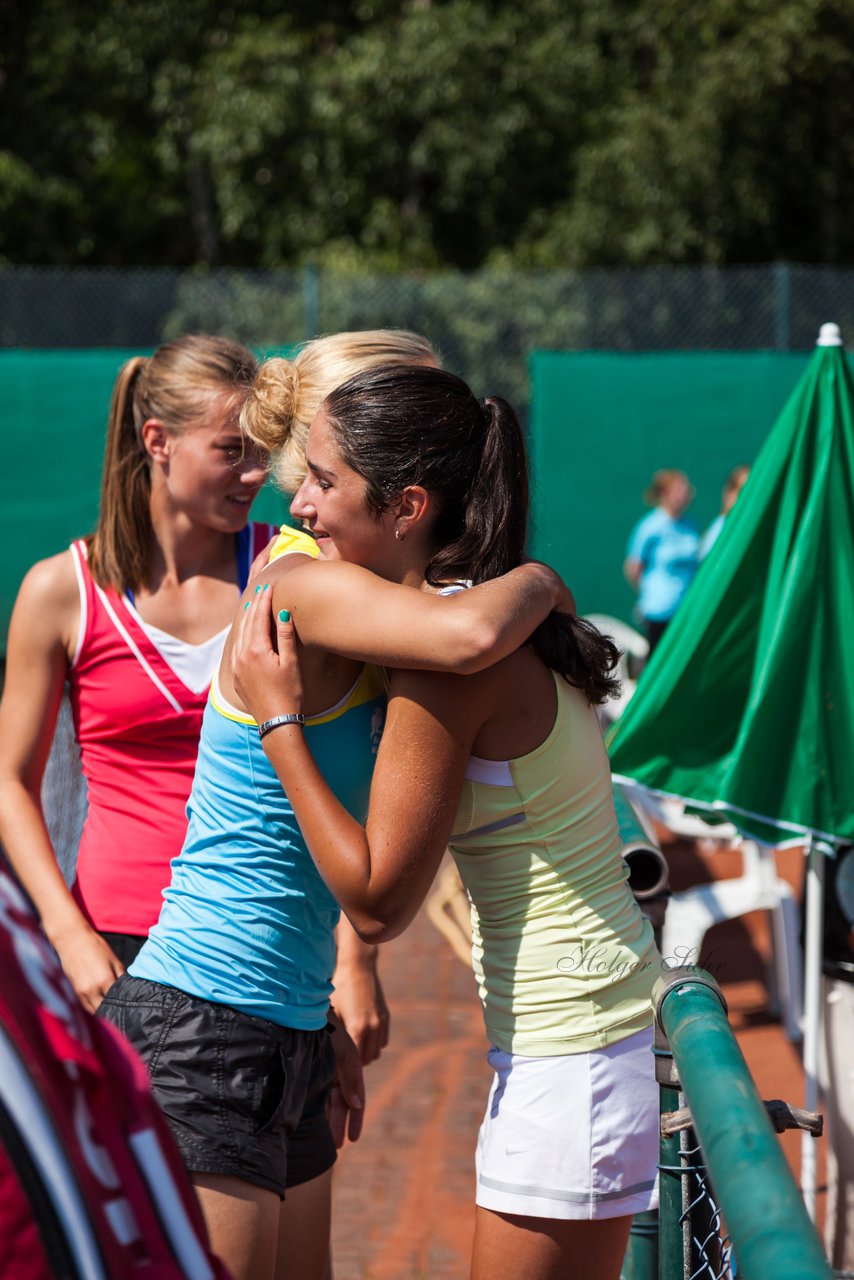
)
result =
(748, 702)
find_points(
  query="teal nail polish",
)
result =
(246, 606)
(266, 586)
(258, 588)
(284, 616)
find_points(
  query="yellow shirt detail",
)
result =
(290, 541)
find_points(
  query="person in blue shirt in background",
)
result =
(733, 486)
(663, 552)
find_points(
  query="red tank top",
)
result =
(138, 727)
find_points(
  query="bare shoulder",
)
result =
(291, 567)
(51, 582)
(502, 712)
(42, 634)
(328, 575)
(299, 567)
(49, 600)
(290, 578)
(302, 583)
(454, 699)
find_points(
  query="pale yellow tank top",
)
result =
(563, 957)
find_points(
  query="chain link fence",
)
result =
(484, 324)
(706, 1249)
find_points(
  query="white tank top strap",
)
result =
(78, 557)
(494, 773)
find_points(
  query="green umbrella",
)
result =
(747, 707)
(746, 710)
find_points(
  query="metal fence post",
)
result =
(311, 299)
(782, 306)
(671, 1244)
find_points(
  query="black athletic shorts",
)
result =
(125, 946)
(243, 1096)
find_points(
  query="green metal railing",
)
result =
(729, 1203)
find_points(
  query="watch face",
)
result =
(845, 884)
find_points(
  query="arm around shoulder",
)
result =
(350, 611)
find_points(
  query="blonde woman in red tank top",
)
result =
(132, 619)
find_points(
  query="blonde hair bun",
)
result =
(267, 416)
(288, 393)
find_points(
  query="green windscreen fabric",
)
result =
(747, 705)
(602, 423)
(54, 415)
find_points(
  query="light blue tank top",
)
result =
(247, 920)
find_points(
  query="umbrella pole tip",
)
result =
(829, 335)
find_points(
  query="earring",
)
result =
(400, 536)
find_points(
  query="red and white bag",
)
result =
(91, 1184)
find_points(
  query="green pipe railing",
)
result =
(764, 1214)
(641, 1260)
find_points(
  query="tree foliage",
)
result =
(406, 134)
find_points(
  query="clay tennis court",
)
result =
(404, 1197)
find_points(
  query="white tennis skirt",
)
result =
(573, 1136)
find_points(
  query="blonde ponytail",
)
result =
(119, 550)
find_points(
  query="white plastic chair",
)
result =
(692, 912)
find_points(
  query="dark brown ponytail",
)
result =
(484, 530)
(423, 426)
